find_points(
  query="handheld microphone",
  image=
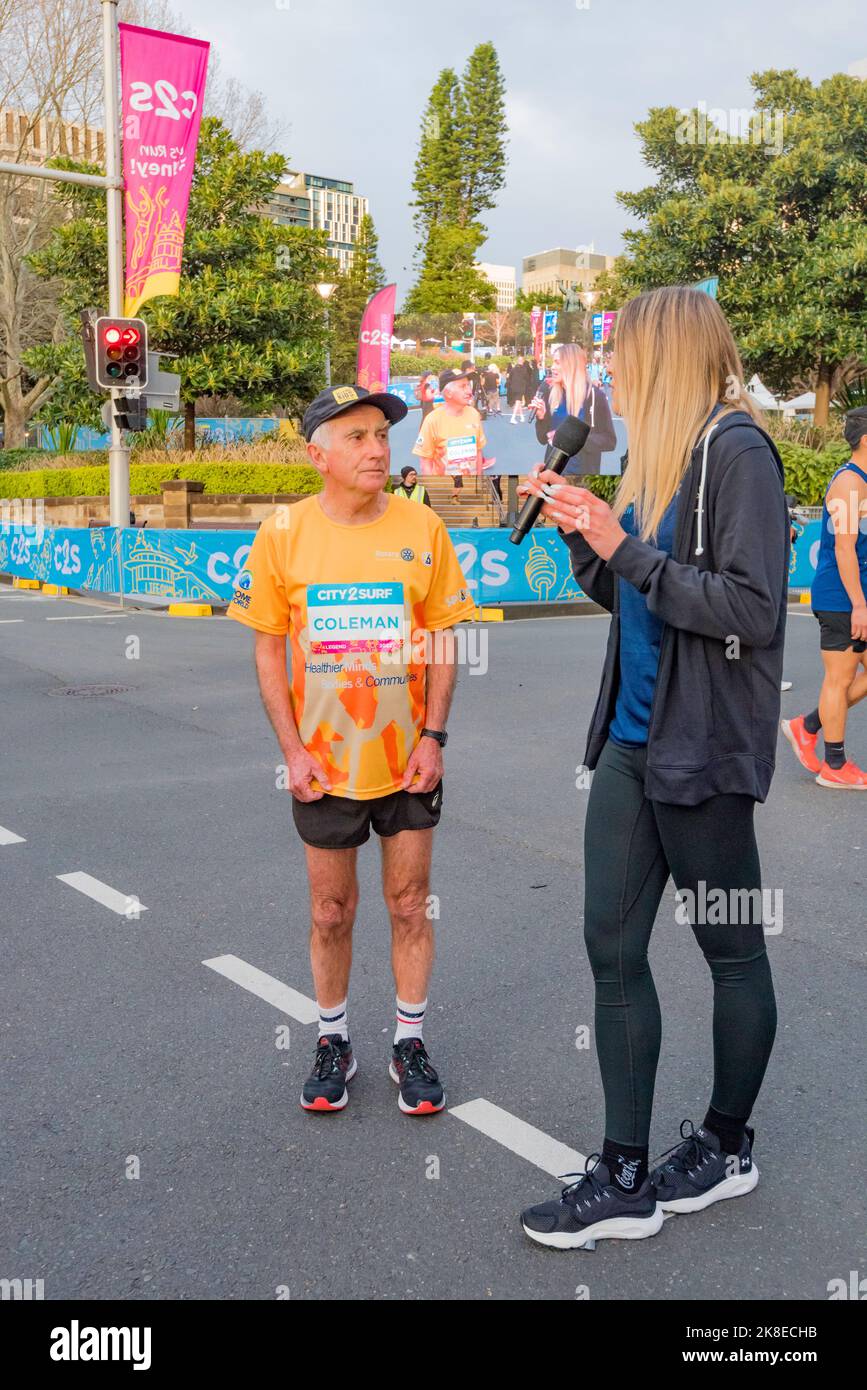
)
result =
(569, 440)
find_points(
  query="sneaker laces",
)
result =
(413, 1056)
(326, 1061)
(588, 1187)
(690, 1152)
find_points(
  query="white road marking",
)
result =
(124, 904)
(523, 1139)
(11, 620)
(283, 997)
(8, 837)
(80, 617)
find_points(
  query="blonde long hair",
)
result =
(675, 360)
(572, 361)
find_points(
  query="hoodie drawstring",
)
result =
(699, 549)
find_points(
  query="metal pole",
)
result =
(38, 171)
(327, 350)
(118, 454)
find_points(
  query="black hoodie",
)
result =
(722, 596)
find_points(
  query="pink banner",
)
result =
(163, 88)
(537, 324)
(374, 340)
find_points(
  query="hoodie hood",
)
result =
(738, 418)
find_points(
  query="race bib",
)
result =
(355, 617)
(461, 454)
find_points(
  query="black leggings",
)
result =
(631, 846)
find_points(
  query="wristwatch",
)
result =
(440, 735)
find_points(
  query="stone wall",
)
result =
(181, 504)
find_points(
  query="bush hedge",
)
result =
(808, 472)
(406, 364)
(807, 476)
(145, 479)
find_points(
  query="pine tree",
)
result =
(448, 278)
(459, 169)
(483, 142)
(437, 181)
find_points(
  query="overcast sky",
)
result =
(349, 80)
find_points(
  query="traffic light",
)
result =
(468, 326)
(121, 353)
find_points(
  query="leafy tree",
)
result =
(423, 327)
(780, 216)
(247, 319)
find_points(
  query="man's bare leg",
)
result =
(333, 900)
(333, 882)
(841, 689)
(406, 860)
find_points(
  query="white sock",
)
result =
(410, 1020)
(333, 1020)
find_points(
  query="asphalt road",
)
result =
(125, 1054)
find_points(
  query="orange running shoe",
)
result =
(803, 743)
(849, 777)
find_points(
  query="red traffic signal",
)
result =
(121, 353)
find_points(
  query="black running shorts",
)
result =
(338, 822)
(836, 632)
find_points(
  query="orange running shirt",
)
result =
(355, 602)
(452, 441)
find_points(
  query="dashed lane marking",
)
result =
(522, 1139)
(124, 904)
(274, 992)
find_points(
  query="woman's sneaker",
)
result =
(849, 777)
(591, 1209)
(698, 1173)
(803, 743)
(334, 1065)
(420, 1090)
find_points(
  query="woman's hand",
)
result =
(538, 406)
(575, 509)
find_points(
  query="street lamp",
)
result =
(325, 291)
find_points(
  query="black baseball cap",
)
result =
(338, 399)
(454, 374)
(855, 426)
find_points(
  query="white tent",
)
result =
(758, 392)
(805, 402)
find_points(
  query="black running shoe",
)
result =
(591, 1209)
(325, 1087)
(698, 1173)
(420, 1089)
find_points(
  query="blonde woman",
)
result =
(692, 563)
(570, 393)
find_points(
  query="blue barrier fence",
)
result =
(203, 565)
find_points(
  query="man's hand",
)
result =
(304, 772)
(425, 762)
(859, 622)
